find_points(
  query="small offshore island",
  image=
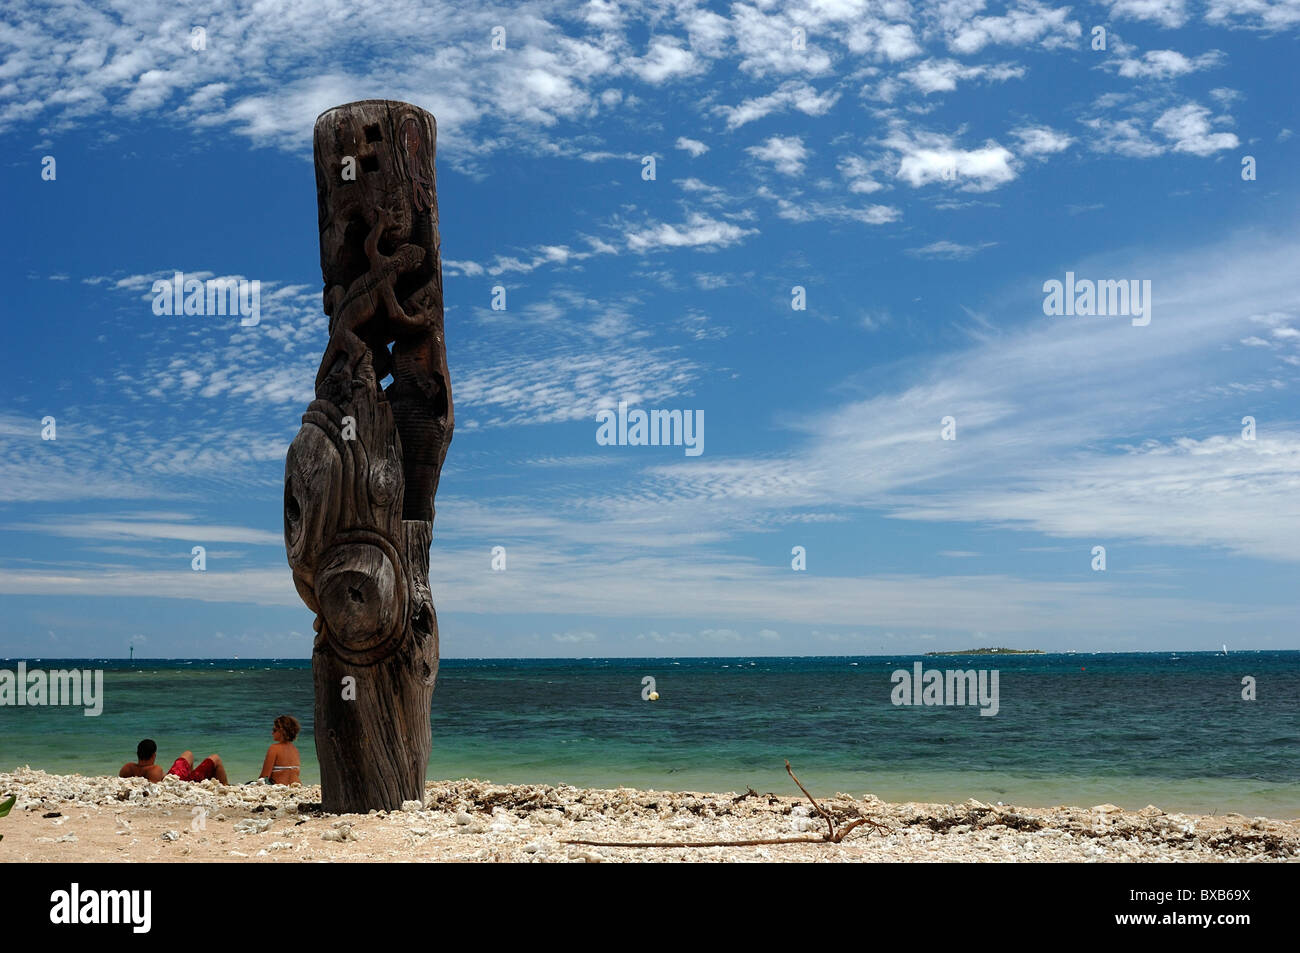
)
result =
(994, 651)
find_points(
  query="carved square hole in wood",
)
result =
(370, 163)
(372, 134)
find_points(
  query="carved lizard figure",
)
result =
(351, 309)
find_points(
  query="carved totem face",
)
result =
(342, 527)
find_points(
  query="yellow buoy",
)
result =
(654, 696)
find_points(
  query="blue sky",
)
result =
(921, 169)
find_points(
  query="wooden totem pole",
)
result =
(361, 475)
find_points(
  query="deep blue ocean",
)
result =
(1165, 728)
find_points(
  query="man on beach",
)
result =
(143, 766)
(183, 767)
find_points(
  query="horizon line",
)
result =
(582, 658)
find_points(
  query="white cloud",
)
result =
(1188, 129)
(1265, 15)
(950, 250)
(470, 269)
(941, 76)
(667, 59)
(1167, 13)
(559, 384)
(926, 158)
(890, 41)
(1126, 137)
(785, 153)
(603, 14)
(557, 255)
(765, 43)
(789, 95)
(860, 175)
(1041, 140)
(698, 231)
(693, 146)
(1026, 23)
(1166, 64)
(795, 208)
(128, 527)
(708, 193)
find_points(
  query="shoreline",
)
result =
(1191, 796)
(73, 818)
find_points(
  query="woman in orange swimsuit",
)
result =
(282, 762)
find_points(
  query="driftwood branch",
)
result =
(829, 822)
(833, 836)
(702, 843)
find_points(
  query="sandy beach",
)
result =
(75, 818)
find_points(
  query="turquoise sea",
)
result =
(1165, 728)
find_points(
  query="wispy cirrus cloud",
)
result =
(1143, 482)
(942, 76)
(726, 591)
(789, 95)
(947, 249)
(697, 231)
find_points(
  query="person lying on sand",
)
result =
(143, 766)
(210, 767)
(282, 762)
